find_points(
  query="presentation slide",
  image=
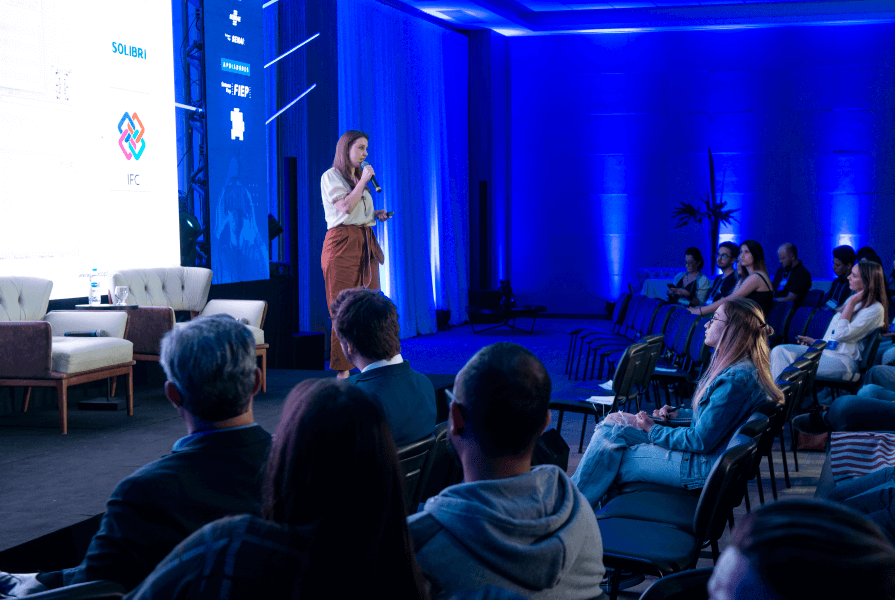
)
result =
(237, 140)
(87, 139)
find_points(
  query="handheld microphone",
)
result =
(373, 179)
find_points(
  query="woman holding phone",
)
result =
(627, 448)
(753, 284)
(351, 255)
(846, 336)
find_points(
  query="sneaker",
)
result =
(812, 423)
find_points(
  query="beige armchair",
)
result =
(250, 312)
(34, 351)
(159, 292)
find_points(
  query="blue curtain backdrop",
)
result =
(403, 81)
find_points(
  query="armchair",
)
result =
(34, 351)
(159, 292)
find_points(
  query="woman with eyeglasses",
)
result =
(629, 448)
(690, 287)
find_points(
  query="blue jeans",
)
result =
(621, 454)
(873, 409)
(872, 495)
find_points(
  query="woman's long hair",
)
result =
(745, 335)
(758, 262)
(333, 465)
(874, 280)
(341, 162)
(697, 256)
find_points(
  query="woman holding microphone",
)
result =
(351, 255)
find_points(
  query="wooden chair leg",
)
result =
(62, 394)
(114, 385)
(129, 392)
(27, 399)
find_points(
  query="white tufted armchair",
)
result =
(35, 352)
(161, 291)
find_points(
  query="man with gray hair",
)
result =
(212, 472)
(792, 281)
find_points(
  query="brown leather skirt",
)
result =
(351, 258)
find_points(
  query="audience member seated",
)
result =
(211, 473)
(846, 336)
(727, 280)
(367, 325)
(798, 549)
(872, 495)
(753, 281)
(792, 281)
(872, 409)
(868, 253)
(690, 287)
(527, 530)
(334, 519)
(627, 448)
(843, 260)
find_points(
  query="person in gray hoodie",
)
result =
(526, 530)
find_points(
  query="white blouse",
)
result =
(333, 188)
(852, 336)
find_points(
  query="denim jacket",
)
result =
(728, 401)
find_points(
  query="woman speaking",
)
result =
(351, 255)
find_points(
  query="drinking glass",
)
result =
(120, 294)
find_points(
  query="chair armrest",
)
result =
(114, 323)
(148, 325)
(26, 349)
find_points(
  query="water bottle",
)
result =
(94, 298)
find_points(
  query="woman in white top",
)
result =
(865, 311)
(351, 255)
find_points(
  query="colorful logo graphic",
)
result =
(131, 130)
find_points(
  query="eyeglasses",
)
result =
(715, 318)
(690, 263)
(453, 398)
(723, 256)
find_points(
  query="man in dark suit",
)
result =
(367, 325)
(213, 472)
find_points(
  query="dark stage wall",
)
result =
(609, 132)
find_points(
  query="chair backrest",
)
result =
(680, 345)
(809, 366)
(250, 312)
(181, 288)
(646, 312)
(871, 346)
(654, 350)
(721, 491)
(697, 351)
(633, 361)
(774, 412)
(444, 472)
(683, 585)
(621, 305)
(24, 298)
(755, 428)
(798, 324)
(813, 298)
(631, 312)
(660, 321)
(818, 324)
(779, 318)
(416, 461)
(797, 377)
